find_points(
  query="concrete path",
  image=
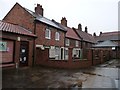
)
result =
(102, 78)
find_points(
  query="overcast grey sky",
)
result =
(97, 15)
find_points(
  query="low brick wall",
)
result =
(96, 61)
(69, 64)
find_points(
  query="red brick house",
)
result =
(72, 40)
(50, 41)
(16, 45)
(87, 40)
(50, 45)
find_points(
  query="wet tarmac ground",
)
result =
(102, 76)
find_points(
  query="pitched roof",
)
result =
(107, 43)
(85, 36)
(7, 27)
(108, 36)
(45, 20)
(71, 34)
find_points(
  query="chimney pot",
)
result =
(100, 33)
(80, 27)
(86, 29)
(94, 34)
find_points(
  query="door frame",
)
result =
(24, 44)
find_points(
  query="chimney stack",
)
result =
(39, 10)
(80, 27)
(86, 29)
(64, 21)
(94, 34)
(100, 33)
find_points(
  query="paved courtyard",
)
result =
(102, 76)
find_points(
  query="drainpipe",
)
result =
(92, 57)
(34, 47)
(82, 47)
(81, 43)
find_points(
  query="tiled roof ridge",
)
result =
(86, 36)
(72, 34)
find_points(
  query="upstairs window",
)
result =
(67, 42)
(77, 43)
(48, 33)
(57, 36)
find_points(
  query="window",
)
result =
(77, 53)
(77, 43)
(52, 52)
(57, 53)
(67, 42)
(57, 36)
(66, 53)
(3, 46)
(47, 33)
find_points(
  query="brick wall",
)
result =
(93, 57)
(9, 37)
(7, 56)
(18, 15)
(70, 63)
(40, 32)
(73, 43)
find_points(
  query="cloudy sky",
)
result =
(97, 15)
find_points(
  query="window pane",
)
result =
(67, 42)
(77, 43)
(66, 54)
(47, 34)
(3, 46)
(57, 36)
(52, 53)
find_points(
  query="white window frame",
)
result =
(48, 31)
(66, 52)
(57, 36)
(67, 42)
(57, 53)
(52, 52)
(76, 43)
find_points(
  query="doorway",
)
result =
(24, 53)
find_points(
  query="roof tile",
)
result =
(86, 36)
(71, 34)
(7, 27)
(108, 36)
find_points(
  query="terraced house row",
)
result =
(28, 38)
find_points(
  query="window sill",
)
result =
(47, 38)
(80, 60)
(57, 60)
(57, 40)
